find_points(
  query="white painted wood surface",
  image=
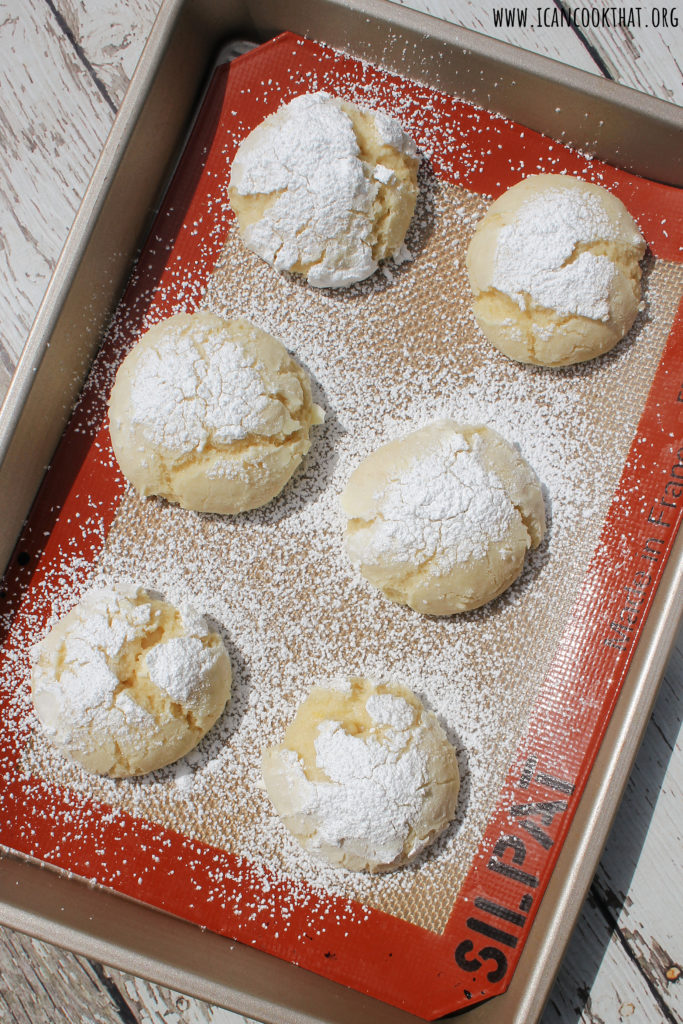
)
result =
(64, 66)
(646, 56)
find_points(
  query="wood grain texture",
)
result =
(64, 68)
(40, 984)
(479, 18)
(647, 56)
(634, 897)
(111, 36)
(597, 983)
(53, 123)
(640, 877)
(152, 1004)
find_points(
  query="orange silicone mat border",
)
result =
(419, 971)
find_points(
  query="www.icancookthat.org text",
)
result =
(585, 17)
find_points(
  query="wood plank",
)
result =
(479, 17)
(641, 866)
(40, 984)
(53, 123)
(111, 36)
(155, 1003)
(597, 983)
(6, 367)
(632, 891)
(646, 56)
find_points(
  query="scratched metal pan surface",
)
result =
(113, 219)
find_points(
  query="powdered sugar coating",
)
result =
(123, 684)
(533, 253)
(554, 269)
(198, 391)
(211, 414)
(434, 525)
(326, 187)
(382, 783)
(391, 132)
(386, 709)
(445, 507)
(179, 667)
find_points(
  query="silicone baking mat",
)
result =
(524, 687)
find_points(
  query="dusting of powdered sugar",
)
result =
(88, 670)
(386, 709)
(444, 507)
(76, 677)
(374, 788)
(533, 258)
(200, 390)
(391, 133)
(178, 667)
(306, 157)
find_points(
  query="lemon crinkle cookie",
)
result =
(441, 519)
(554, 268)
(125, 682)
(365, 777)
(212, 414)
(325, 189)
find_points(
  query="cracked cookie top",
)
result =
(325, 189)
(366, 777)
(441, 519)
(125, 682)
(554, 268)
(211, 414)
